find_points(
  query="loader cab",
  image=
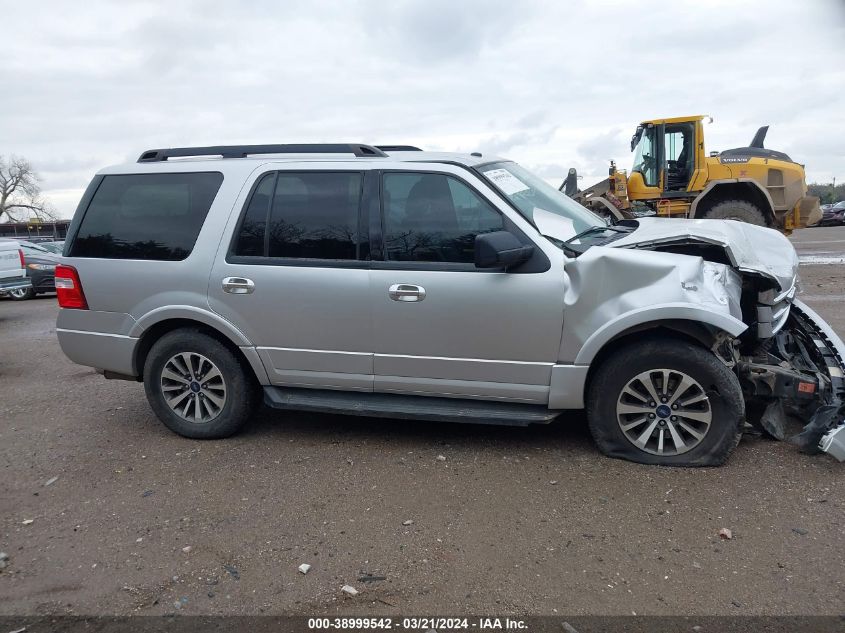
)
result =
(668, 159)
(679, 150)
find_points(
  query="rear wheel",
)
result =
(741, 210)
(20, 294)
(669, 403)
(197, 387)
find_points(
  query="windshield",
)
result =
(554, 214)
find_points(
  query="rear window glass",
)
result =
(302, 215)
(146, 216)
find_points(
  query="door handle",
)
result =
(238, 285)
(406, 292)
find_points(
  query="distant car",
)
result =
(12, 269)
(40, 269)
(833, 215)
(54, 247)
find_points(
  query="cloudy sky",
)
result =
(550, 84)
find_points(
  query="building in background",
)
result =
(35, 229)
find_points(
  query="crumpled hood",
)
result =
(750, 248)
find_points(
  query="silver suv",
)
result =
(392, 282)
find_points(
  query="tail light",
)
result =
(23, 261)
(69, 289)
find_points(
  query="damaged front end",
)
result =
(798, 373)
(790, 363)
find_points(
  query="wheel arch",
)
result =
(700, 323)
(148, 330)
(746, 189)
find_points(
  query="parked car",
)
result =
(38, 239)
(54, 247)
(12, 269)
(405, 284)
(40, 269)
(833, 215)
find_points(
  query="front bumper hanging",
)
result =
(800, 371)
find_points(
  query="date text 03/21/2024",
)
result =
(417, 623)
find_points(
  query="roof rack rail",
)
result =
(398, 148)
(242, 151)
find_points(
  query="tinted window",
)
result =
(434, 218)
(254, 223)
(315, 215)
(146, 216)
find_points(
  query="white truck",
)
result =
(12, 267)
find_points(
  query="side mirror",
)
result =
(500, 249)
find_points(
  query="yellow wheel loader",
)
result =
(673, 177)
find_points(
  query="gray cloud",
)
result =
(547, 83)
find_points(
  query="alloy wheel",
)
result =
(664, 412)
(193, 387)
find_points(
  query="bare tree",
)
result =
(20, 193)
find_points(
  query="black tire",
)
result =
(17, 295)
(741, 210)
(241, 389)
(720, 385)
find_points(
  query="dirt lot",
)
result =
(512, 521)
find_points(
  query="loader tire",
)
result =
(741, 210)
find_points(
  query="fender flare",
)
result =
(655, 314)
(191, 313)
(727, 181)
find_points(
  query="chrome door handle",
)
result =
(406, 292)
(238, 285)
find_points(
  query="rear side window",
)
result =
(302, 215)
(146, 216)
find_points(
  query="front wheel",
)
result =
(197, 387)
(666, 402)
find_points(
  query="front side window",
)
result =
(433, 218)
(302, 215)
(146, 216)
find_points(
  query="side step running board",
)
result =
(385, 405)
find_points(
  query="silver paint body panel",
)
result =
(477, 334)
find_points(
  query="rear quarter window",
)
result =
(146, 216)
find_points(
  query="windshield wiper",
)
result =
(569, 249)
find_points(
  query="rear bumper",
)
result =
(109, 352)
(44, 280)
(18, 283)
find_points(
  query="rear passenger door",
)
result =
(293, 277)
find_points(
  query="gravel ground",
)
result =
(103, 511)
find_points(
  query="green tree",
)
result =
(827, 193)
